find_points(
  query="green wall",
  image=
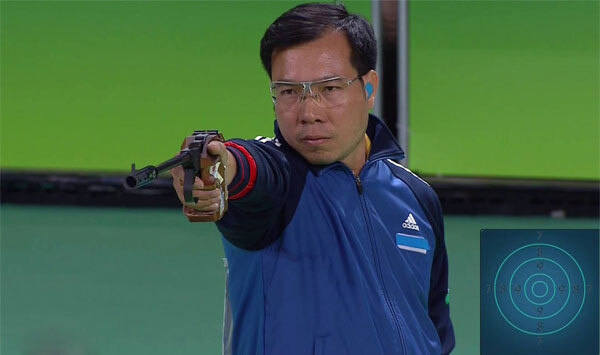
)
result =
(96, 85)
(505, 88)
(497, 88)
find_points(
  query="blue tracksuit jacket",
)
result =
(322, 262)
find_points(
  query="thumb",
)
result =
(217, 148)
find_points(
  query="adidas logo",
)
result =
(410, 223)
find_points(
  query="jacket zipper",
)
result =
(359, 187)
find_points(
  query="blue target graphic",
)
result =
(539, 291)
(531, 288)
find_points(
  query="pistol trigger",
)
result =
(188, 183)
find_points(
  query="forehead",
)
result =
(324, 57)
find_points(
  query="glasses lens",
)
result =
(332, 92)
(286, 94)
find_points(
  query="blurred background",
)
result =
(495, 102)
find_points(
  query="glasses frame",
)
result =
(307, 87)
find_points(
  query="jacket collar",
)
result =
(383, 144)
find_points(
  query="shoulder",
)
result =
(423, 192)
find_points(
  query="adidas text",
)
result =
(410, 226)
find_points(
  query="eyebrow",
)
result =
(318, 79)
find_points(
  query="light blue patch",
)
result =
(410, 241)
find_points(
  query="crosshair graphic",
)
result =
(539, 292)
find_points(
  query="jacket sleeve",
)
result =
(256, 194)
(439, 309)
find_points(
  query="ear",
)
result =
(371, 81)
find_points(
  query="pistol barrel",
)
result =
(140, 177)
(144, 176)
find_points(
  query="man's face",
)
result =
(324, 135)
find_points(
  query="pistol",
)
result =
(196, 162)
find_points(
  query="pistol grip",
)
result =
(212, 174)
(210, 183)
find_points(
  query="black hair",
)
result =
(307, 22)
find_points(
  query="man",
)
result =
(333, 247)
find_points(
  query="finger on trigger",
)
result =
(198, 184)
(176, 171)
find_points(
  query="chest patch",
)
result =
(412, 243)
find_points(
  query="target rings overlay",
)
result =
(537, 280)
(539, 292)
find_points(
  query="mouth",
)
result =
(314, 140)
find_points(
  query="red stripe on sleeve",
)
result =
(243, 169)
(252, 165)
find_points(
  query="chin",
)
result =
(319, 158)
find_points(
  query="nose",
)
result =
(309, 111)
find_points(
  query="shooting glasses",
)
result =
(327, 93)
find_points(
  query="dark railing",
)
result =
(457, 195)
